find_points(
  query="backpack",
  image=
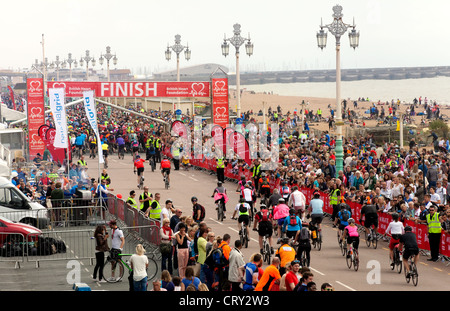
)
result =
(285, 190)
(242, 208)
(265, 214)
(202, 214)
(345, 215)
(216, 259)
(265, 182)
(293, 220)
(304, 235)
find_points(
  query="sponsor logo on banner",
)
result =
(57, 101)
(220, 102)
(134, 89)
(91, 113)
(35, 115)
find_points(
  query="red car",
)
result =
(17, 231)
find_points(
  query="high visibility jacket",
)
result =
(105, 147)
(155, 213)
(255, 170)
(82, 162)
(157, 143)
(220, 163)
(149, 143)
(434, 226)
(334, 198)
(133, 202)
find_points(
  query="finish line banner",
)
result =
(134, 88)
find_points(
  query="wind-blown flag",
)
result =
(57, 100)
(91, 114)
(11, 94)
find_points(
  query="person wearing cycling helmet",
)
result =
(264, 221)
(220, 193)
(395, 229)
(408, 242)
(342, 217)
(241, 184)
(352, 235)
(370, 211)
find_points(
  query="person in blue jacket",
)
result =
(293, 224)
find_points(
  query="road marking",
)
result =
(316, 271)
(352, 289)
(437, 269)
(182, 174)
(216, 221)
(193, 178)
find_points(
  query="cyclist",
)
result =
(316, 210)
(280, 212)
(165, 166)
(395, 229)
(139, 166)
(352, 235)
(264, 189)
(92, 146)
(408, 241)
(292, 223)
(241, 184)
(264, 221)
(220, 194)
(286, 253)
(303, 240)
(243, 209)
(285, 191)
(248, 194)
(121, 146)
(342, 217)
(297, 201)
(105, 152)
(371, 217)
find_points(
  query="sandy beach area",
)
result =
(254, 101)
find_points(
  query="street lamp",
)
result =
(108, 56)
(70, 61)
(338, 28)
(56, 64)
(237, 40)
(87, 59)
(178, 48)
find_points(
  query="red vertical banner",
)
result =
(35, 115)
(220, 108)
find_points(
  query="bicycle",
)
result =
(152, 163)
(220, 210)
(121, 153)
(397, 261)
(413, 275)
(117, 266)
(166, 181)
(371, 237)
(316, 238)
(352, 258)
(267, 252)
(243, 235)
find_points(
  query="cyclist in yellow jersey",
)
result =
(105, 152)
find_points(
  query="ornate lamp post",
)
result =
(87, 59)
(338, 28)
(237, 40)
(108, 56)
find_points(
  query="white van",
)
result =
(16, 206)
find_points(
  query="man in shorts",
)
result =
(264, 221)
(408, 242)
(371, 218)
(139, 167)
(165, 168)
(243, 209)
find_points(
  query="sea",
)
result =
(434, 89)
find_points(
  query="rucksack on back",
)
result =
(242, 208)
(345, 215)
(218, 259)
(293, 220)
(265, 214)
(304, 234)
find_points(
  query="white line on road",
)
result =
(352, 289)
(216, 221)
(193, 178)
(317, 271)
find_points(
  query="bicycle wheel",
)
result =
(339, 238)
(113, 271)
(414, 274)
(374, 240)
(267, 252)
(355, 260)
(344, 248)
(399, 265)
(367, 236)
(319, 240)
(349, 260)
(152, 269)
(220, 211)
(246, 238)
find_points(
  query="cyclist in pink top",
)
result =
(280, 212)
(351, 232)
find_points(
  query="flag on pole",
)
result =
(11, 94)
(91, 114)
(57, 101)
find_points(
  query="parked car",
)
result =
(12, 232)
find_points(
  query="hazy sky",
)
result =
(392, 33)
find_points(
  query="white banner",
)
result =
(91, 114)
(57, 102)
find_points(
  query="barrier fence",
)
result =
(421, 230)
